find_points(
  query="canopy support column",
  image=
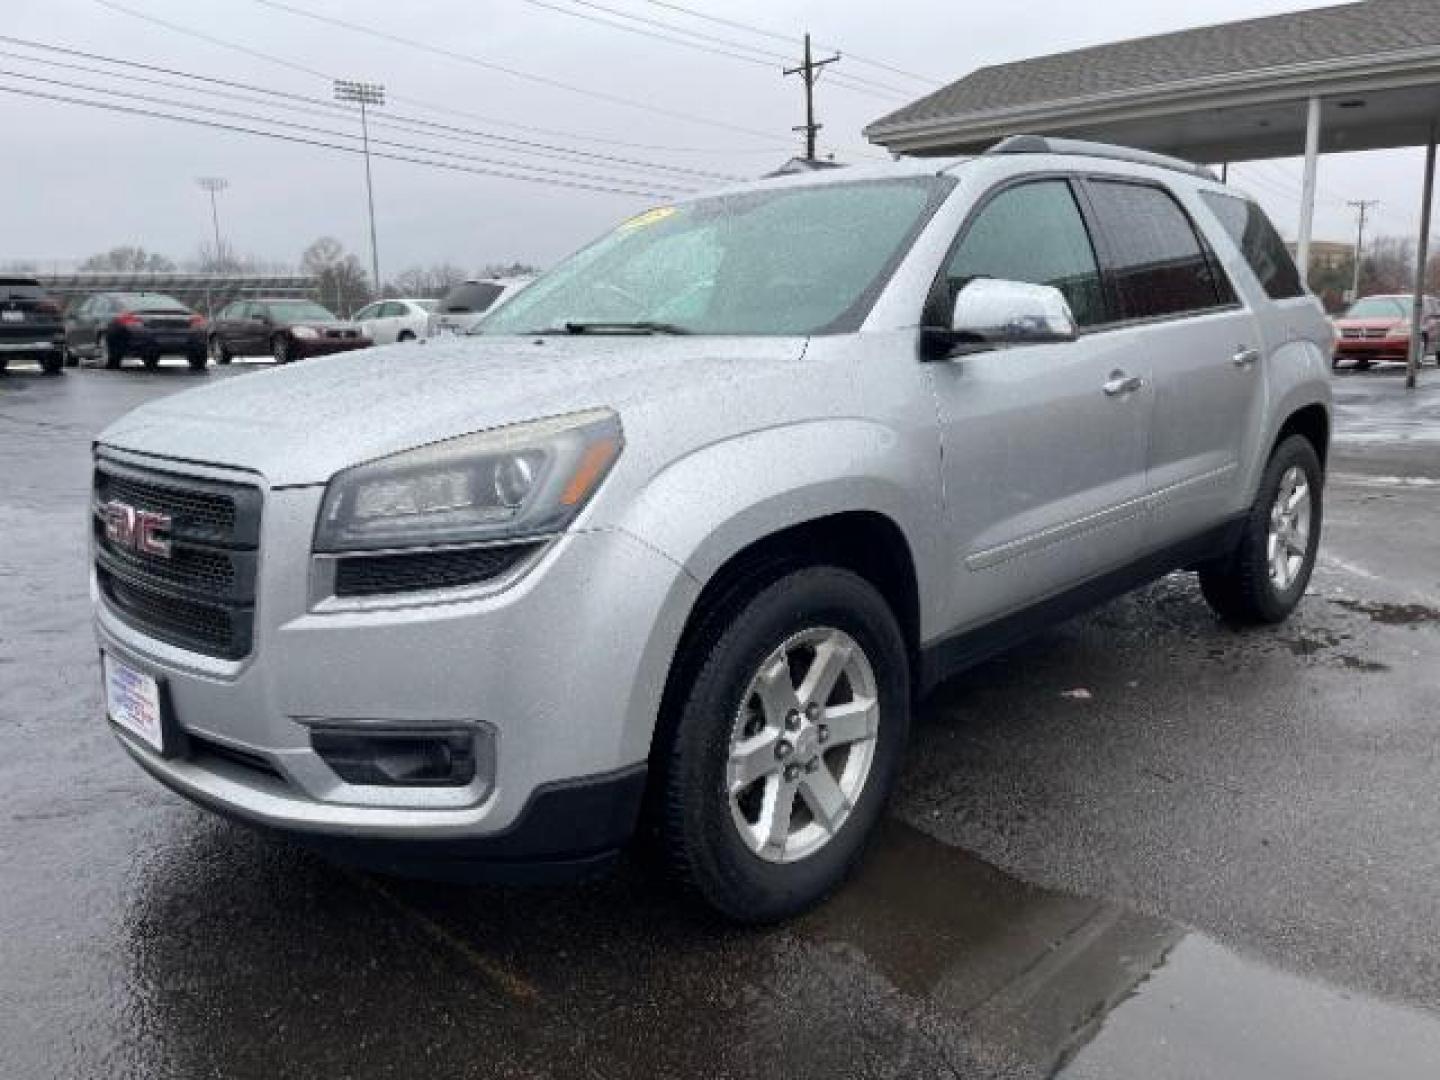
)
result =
(1422, 253)
(1307, 192)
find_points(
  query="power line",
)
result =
(328, 110)
(312, 129)
(447, 110)
(789, 38)
(751, 55)
(306, 141)
(529, 76)
(809, 71)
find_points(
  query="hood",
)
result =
(302, 423)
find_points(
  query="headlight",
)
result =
(305, 333)
(524, 480)
(1399, 330)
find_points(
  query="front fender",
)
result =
(706, 507)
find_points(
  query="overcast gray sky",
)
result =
(79, 181)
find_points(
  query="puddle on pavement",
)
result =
(1084, 988)
(1392, 614)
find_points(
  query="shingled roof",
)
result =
(1346, 32)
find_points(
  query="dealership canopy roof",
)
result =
(189, 287)
(1231, 92)
(1362, 76)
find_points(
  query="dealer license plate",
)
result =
(132, 699)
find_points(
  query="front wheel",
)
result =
(219, 352)
(280, 349)
(150, 360)
(197, 360)
(53, 362)
(107, 353)
(1265, 576)
(785, 745)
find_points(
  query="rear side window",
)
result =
(1258, 242)
(473, 297)
(1032, 233)
(1159, 264)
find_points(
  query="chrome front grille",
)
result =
(202, 595)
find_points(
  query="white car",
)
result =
(389, 321)
(463, 306)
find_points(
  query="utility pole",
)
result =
(1361, 205)
(365, 94)
(809, 71)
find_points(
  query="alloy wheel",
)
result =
(1289, 539)
(802, 744)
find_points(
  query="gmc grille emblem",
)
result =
(142, 531)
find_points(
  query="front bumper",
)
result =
(1373, 349)
(563, 668)
(325, 347)
(49, 343)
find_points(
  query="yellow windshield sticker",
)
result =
(649, 217)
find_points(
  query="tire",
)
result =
(1362, 365)
(105, 354)
(197, 360)
(219, 353)
(53, 362)
(709, 840)
(4, 363)
(280, 349)
(1244, 588)
(72, 359)
(405, 335)
(150, 360)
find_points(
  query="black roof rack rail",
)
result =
(1044, 144)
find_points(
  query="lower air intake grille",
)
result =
(380, 575)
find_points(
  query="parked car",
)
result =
(284, 329)
(463, 306)
(389, 321)
(1378, 328)
(693, 520)
(108, 327)
(30, 325)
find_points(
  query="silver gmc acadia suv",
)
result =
(677, 540)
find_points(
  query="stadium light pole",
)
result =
(363, 94)
(214, 185)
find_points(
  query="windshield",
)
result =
(799, 260)
(472, 297)
(149, 302)
(296, 310)
(1378, 307)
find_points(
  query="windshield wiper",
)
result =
(638, 327)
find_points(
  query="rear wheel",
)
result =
(150, 360)
(105, 353)
(280, 349)
(1265, 576)
(1362, 364)
(53, 362)
(197, 360)
(786, 744)
(219, 354)
(405, 335)
(72, 359)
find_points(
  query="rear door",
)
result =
(1181, 317)
(1043, 456)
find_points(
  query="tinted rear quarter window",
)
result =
(1258, 241)
(20, 289)
(475, 297)
(1159, 264)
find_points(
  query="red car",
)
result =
(1378, 328)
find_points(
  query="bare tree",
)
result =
(423, 282)
(128, 258)
(340, 276)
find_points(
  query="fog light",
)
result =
(398, 758)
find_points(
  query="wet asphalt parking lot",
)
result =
(1142, 845)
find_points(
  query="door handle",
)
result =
(1120, 383)
(1245, 357)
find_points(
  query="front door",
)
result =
(1043, 446)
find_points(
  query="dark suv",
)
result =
(30, 325)
(285, 329)
(108, 327)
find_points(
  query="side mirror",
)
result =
(992, 314)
